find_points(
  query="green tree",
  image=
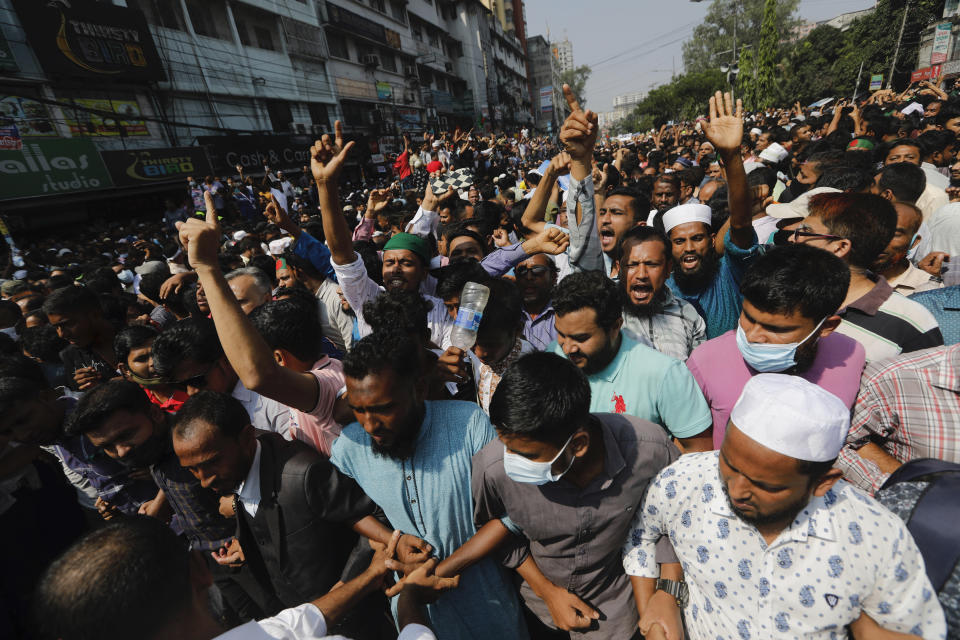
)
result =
(716, 33)
(577, 79)
(683, 98)
(810, 69)
(758, 66)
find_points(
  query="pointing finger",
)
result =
(571, 99)
(211, 212)
(338, 133)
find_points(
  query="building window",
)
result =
(280, 114)
(264, 38)
(434, 40)
(318, 114)
(387, 61)
(417, 33)
(203, 21)
(378, 5)
(338, 46)
(398, 11)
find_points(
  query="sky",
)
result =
(634, 45)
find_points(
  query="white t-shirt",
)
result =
(305, 622)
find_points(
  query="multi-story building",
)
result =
(549, 106)
(563, 51)
(136, 94)
(625, 103)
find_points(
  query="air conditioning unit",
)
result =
(300, 127)
(448, 67)
(410, 71)
(370, 61)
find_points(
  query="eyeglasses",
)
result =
(532, 272)
(798, 234)
(197, 382)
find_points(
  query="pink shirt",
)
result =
(720, 371)
(318, 428)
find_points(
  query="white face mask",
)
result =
(520, 469)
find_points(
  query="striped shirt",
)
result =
(675, 330)
(888, 324)
(909, 406)
(540, 331)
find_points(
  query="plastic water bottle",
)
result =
(473, 300)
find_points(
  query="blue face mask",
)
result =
(914, 245)
(520, 469)
(770, 358)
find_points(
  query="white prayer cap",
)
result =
(436, 144)
(279, 245)
(798, 208)
(687, 213)
(239, 235)
(774, 153)
(791, 416)
(756, 131)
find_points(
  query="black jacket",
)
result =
(300, 539)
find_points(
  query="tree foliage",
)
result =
(778, 70)
(577, 79)
(716, 33)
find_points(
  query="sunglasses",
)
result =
(197, 382)
(533, 272)
(798, 234)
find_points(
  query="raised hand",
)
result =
(378, 200)
(201, 240)
(551, 240)
(725, 127)
(579, 132)
(328, 155)
(560, 163)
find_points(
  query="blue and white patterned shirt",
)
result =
(843, 555)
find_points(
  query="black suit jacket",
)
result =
(300, 539)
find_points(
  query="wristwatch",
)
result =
(677, 589)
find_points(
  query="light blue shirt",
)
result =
(647, 384)
(429, 495)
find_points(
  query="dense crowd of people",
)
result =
(714, 391)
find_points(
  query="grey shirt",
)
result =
(576, 535)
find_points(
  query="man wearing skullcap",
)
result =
(774, 544)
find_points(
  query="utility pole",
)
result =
(896, 51)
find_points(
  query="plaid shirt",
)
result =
(197, 510)
(909, 406)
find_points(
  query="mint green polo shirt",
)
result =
(647, 384)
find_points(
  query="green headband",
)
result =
(282, 264)
(409, 242)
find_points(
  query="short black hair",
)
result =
(850, 179)
(97, 405)
(292, 323)
(504, 310)
(797, 277)
(762, 176)
(589, 289)
(639, 201)
(645, 233)
(380, 351)
(10, 313)
(71, 300)
(401, 311)
(151, 283)
(866, 220)
(102, 280)
(669, 178)
(901, 142)
(541, 396)
(452, 278)
(904, 179)
(933, 141)
(130, 338)
(20, 379)
(42, 342)
(454, 232)
(219, 410)
(191, 338)
(124, 580)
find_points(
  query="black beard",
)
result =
(654, 307)
(788, 514)
(700, 279)
(405, 444)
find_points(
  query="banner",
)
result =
(941, 42)
(86, 123)
(876, 82)
(51, 167)
(927, 73)
(10, 138)
(84, 39)
(151, 166)
(546, 99)
(253, 152)
(31, 117)
(384, 91)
